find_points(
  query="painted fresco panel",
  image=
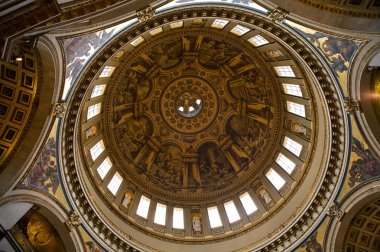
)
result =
(363, 164)
(79, 50)
(44, 173)
(90, 244)
(315, 242)
(337, 51)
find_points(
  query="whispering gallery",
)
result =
(190, 125)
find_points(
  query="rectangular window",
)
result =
(258, 40)
(115, 183)
(107, 71)
(296, 108)
(178, 218)
(284, 71)
(240, 30)
(248, 204)
(232, 213)
(277, 181)
(143, 208)
(219, 23)
(160, 215)
(177, 24)
(97, 149)
(156, 31)
(137, 41)
(292, 89)
(93, 110)
(98, 91)
(104, 167)
(292, 146)
(285, 163)
(214, 217)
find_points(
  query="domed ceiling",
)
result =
(194, 112)
(200, 129)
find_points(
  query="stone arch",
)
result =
(42, 121)
(19, 202)
(349, 207)
(362, 72)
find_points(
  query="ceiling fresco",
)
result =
(209, 149)
(79, 50)
(337, 51)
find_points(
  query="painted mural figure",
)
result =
(264, 195)
(338, 51)
(365, 167)
(44, 173)
(197, 225)
(312, 245)
(134, 134)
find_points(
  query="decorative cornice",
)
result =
(342, 10)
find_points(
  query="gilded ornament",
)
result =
(351, 106)
(335, 211)
(73, 220)
(58, 110)
(145, 14)
(278, 15)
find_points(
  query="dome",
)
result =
(202, 127)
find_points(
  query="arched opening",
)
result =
(358, 228)
(34, 223)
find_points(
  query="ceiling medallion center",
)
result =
(189, 104)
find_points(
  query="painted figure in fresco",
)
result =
(365, 167)
(44, 173)
(299, 129)
(312, 245)
(78, 50)
(133, 135)
(90, 132)
(197, 225)
(127, 199)
(254, 87)
(168, 167)
(214, 168)
(273, 54)
(249, 135)
(92, 247)
(264, 195)
(338, 51)
(213, 53)
(167, 54)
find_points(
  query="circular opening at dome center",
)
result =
(188, 104)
